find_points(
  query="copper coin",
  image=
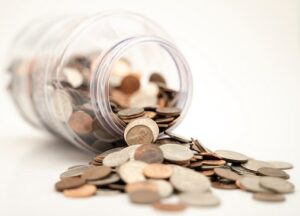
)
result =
(120, 97)
(232, 156)
(157, 78)
(214, 162)
(168, 111)
(81, 122)
(149, 153)
(86, 190)
(150, 114)
(69, 183)
(176, 207)
(75, 172)
(273, 172)
(131, 112)
(144, 196)
(227, 174)
(145, 185)
(96, 173)
(157, 171)
(208, 172)
(130, 84)
(269, 197)
(221, 185)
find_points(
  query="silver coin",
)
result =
(130, 150)
(184, 179)
(76, 166)
(77, 171)
(111, 151)
(278, 185)
(176, 152)
(107, 192)
(281, 165)
(62, 105)
(165, 189)
(251, 183)
(112, 178)
(232, 156)
(199, 199)
(115, 159)
(132, 171)
(73, 77)
(254, 165)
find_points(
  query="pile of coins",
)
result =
(153, 168)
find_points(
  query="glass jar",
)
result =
(66, 74)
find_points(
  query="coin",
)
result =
(107, 192)
(86, 190)
(164, 120)
(199, 199)
(225, 186)
(130, 150)
(251, 183)
(130, 84)
(177, 137)
(62, 104)
(77, 171)
(281, 165)
(270, 197)
(76, 166)
(149, 153)
(144, 185)
(227, 173)
(115, 159)
(184, 179)
(157, 171)
(254, 165)
(168, 111)
(95, 173)
(132, 171)
(176, 152)
(232, 156)
(69, 183)
(131, 112)
(81, 122)
(150, 114)
(144, 196)
(165, 189)
(278, 185)
(273, 172)
(157, 78)
(176, 207)
(166, 141)
(73, 76)
(112, 178)
(104, 154)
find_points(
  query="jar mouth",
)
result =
(100, 88)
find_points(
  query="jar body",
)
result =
(63, 70)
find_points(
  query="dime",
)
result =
(199, 199)
(115, 159)
(281, 165)
(278, 185)
(177, 137)
(232, 156)
(176, 207)
(77, 171)
(273, 172)
(251, 183)
(164, 188)
(69, 183)
(184, 179)
(254, 165)
(80, 192)
(175, 152)
(131, 112)
(95, 173)
(81, 122)
(112, 178)
(132, 171)
(227, 173)
(157, 171)
(144, 196)
(270, 197)
(168, 111)
(149, 153)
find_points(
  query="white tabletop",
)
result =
(245, 61)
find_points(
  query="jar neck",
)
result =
(100, 86)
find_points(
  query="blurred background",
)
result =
(245, 60)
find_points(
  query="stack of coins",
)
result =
(153, 168)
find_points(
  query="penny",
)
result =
(273, 172)
(199, 199)
(82, 191)
(177, 137)
(69, 183)
(131, 112)
(149, 153)
(175, 152)
(269, 197)
(254, 165)
(112, 178)
(130, 84)
(95, 173)
(184, 179)
(144, 196)
(157, 78)
(77, 171)
(165, 189)
(176, 207)
(168, 111)
(115, 159)
(213, 162)
(278, 185)
(281, 165)
(207, 172)
(164, 120)
(227, 173)
(232, 156)
(251, 183)
(145, 185)
(132, 171)
(221, 185)
(80, 122)
(157, 171)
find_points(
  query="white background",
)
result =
(244, 56)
